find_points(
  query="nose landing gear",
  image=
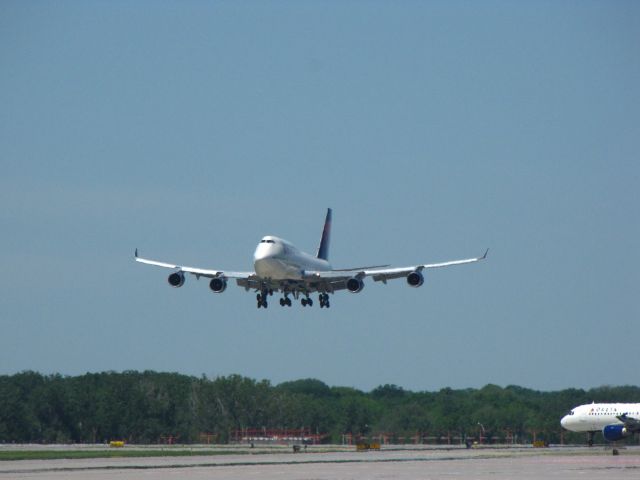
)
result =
(306, 301)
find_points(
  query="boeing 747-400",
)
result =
(281, 267)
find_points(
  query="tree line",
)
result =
(145, 407)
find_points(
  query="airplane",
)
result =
(282, 267)
(616, 420)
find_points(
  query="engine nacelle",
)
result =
(218, 284)
(415, 279)
(176, 279)
(355, 285)
(614, 433)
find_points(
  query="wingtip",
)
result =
(135, 254)
(485, 254)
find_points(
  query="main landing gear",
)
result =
(262, 298)
(285, 301)
(324, 300)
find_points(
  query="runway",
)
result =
(322, 463)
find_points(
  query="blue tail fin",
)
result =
(323, 249)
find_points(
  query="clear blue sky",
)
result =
(433, 129)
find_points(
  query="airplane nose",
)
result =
(262, 251)
(267, 250)
(564, 421)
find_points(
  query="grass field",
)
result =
(57, 452)
(107, 453)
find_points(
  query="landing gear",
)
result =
(285, 301)
(262, 299)
(590, 440)
(323, 298)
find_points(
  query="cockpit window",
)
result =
(267, 241)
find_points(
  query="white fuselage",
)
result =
(595, 416)
(277, 259)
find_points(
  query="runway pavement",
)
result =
(321, 463)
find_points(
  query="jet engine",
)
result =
(355, 285)
(614, 433)
(176, 279)
(415, 279)
(218, 284)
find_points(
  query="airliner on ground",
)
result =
(615, 420)
(281, 267)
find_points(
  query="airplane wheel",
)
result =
(265, 304)
(303, 302)
(282, 302)
(288, 302)
(258, 297)
(310, 302)
(327, 304)
(259, 304)
(323, 298)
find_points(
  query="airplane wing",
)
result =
(631, 423)
(383, 274)
(352, 279)
(198, 272)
